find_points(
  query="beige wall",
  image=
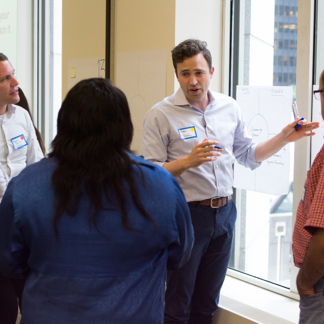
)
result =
(83, 32)
(140, 25)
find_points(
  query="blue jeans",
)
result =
(192, 293)
(312, 307)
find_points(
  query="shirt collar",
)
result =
(181, 100)
(10, 112)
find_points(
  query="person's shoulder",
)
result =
(222, 101)
(32, 172)
(160, 180)
(163, 105)
(223, 98)
(160, 112)
(21, 113)
(150, 167)
(139, 159)
(318, 163)
(20, 110)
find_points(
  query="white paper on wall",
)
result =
(141, 76)
(317, 140)
(80, 69)
(267, 110)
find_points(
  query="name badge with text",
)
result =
(187, 132)
(19, 142)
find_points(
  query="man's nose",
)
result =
(193, 80)
(14, 82)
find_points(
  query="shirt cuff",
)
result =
(251, 158)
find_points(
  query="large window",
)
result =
(264, 53)
(319, 43)
(31, 36)
(48, 66)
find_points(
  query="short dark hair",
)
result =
(3, 57)
(190, 48)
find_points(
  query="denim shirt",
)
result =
(87, 276)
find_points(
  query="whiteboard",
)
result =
(317, 140)
(267, 110)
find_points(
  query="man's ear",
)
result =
(212, 72)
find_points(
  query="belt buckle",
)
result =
(211, 202)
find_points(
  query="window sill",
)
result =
(243, 303)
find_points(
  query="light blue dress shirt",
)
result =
(222, 121)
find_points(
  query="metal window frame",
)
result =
(234, 75)
(43, 68)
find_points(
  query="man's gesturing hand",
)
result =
(201, 153)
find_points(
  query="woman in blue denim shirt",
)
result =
(93, 228)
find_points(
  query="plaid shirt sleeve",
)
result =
(315, 217)
(310, 213)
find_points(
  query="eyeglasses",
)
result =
(317, 94)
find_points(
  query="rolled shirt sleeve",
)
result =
(155, 138)
(243, 146)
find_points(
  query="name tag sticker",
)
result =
(19, 142)
(187, 132)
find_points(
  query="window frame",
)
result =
(305, 64)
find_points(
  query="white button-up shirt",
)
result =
(222, 121)
(16, 122)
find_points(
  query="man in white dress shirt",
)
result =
(18, 142)
(196, 135)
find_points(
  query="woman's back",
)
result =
(87, 276)
(93, 227)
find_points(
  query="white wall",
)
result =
(202, 20)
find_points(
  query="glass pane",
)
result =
(263, 236)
